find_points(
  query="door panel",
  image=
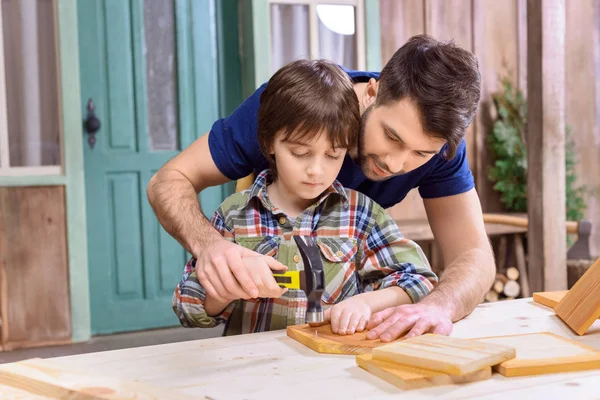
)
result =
(147, 113)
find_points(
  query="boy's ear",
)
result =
(370, 94)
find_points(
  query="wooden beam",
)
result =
(546, 144)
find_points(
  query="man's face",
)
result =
(392, 141)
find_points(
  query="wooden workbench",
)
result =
(272, 366)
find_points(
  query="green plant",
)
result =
(507, 145)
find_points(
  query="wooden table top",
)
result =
(419, 229)
(272, 366)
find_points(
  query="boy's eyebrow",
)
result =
(291, 141)
(393, 132)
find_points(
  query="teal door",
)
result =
(150, 70)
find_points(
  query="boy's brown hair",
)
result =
(305, 99)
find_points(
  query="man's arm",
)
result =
(173, 194)
(457, 224)
(468, 258)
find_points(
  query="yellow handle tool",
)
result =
(289, 279)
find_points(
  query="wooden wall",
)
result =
(34, 282)
(496, 31)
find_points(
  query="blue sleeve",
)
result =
(448, 177)
(233, 141)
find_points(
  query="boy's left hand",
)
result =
(349, 316)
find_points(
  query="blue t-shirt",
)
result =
(235, 150)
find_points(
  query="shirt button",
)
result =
(282, 220)
(339, 254)
(296, 258)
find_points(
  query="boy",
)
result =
(368, 265)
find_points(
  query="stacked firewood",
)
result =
(505, 287)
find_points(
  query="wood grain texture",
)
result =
(582, 101)
(449, 355)
(549, 299)
(266, 365)
(407, 378)
(33, 251)
(545, 353)
(322, 340)
(546, 144)
(581, 305)
(42, 377)
(495, 43)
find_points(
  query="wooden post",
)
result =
(546, 144)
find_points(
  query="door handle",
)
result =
(92, 123)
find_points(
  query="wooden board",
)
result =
(546, 237)
(581, 305)
(41, 377)
(549, 299)
(406, 377)
(450, 355)
(322, 340)
(545, 353)
(34, 266)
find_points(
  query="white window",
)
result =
(330, 29)
(30, 125)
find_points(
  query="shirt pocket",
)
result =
(266, 245)
(339, 255)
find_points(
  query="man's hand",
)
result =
(417, 319)
(225, 274)
(349, 316)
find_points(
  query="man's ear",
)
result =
(370, 94)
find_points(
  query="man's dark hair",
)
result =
(305, 99)
(443, 82)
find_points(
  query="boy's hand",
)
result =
(261, 273)
(221, 270)
(349, 316)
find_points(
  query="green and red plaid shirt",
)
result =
(361, 246)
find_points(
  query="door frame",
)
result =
(72, 177)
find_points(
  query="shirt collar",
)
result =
(259, 190)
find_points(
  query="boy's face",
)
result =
(392, 141)
(306, 169)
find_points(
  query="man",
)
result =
(414, 116)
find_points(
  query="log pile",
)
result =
(505, 287)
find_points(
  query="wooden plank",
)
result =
(322, 340)
(450, 355)
(42, 377)
(448, 20)
(546, 145)
(34, 256)
(495, 43)
(581, 305)
(407, 378)
(582, 101)
(545, 353)
(549, 299)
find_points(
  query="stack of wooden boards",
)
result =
(432, 360)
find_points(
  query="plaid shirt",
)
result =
(361, 247)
